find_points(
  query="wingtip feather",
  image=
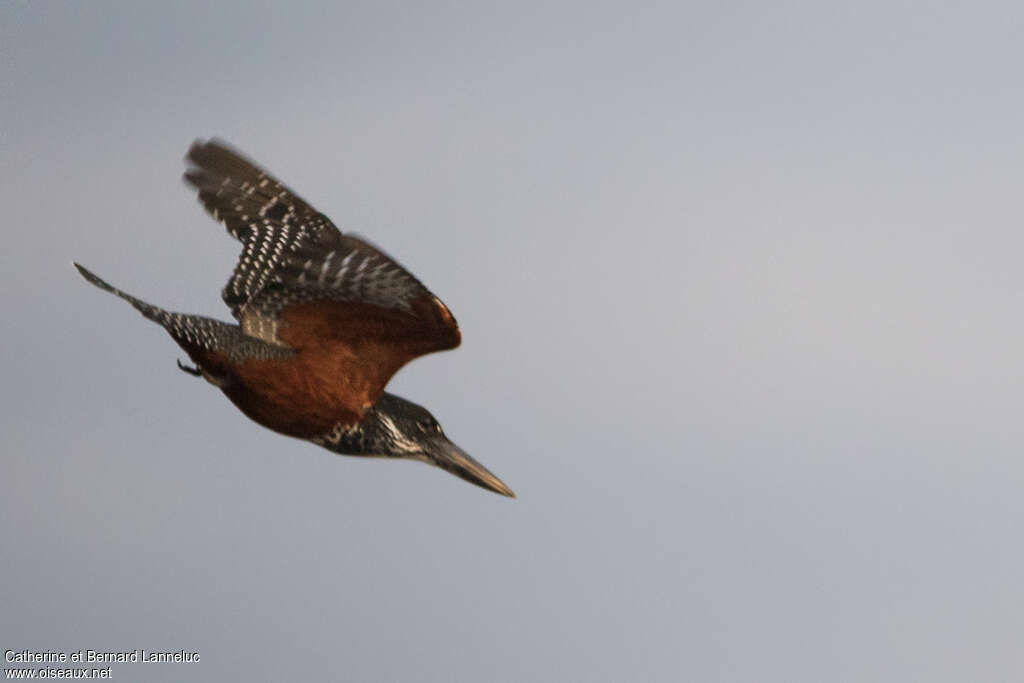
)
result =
(92, 278)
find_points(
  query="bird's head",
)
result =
(395, 428)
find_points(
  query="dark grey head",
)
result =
(396, 428)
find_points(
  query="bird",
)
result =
(324, 319)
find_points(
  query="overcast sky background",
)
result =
(740, 289)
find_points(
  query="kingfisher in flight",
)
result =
(324, 319)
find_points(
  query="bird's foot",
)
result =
(195, 372)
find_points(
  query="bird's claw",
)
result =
(195, 372)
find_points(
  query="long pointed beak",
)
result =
(450, 457)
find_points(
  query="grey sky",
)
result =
(740, 292)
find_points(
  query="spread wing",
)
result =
(301, 283)
(268, 219)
